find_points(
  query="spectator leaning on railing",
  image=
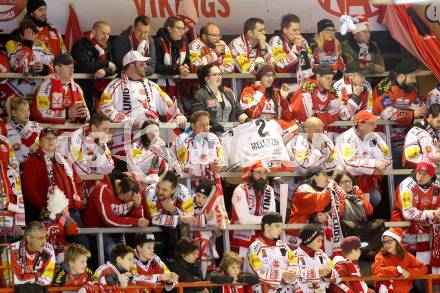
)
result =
(93, 54)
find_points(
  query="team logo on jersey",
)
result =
(10, 9)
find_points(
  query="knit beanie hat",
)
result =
(404, 67)
(428, 166)
(324, 23)
(205, 186)
(395, 233)
(33, 5)
(362, 25)
(262, 69)
(308, 234)
(56, 203)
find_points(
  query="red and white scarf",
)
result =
(167, 53)
(332, 227)
(101, 50)
(59, 95)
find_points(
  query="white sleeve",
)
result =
(240, 204)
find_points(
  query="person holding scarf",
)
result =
(136, 37)
(251, 47)
(251, 200)
(172, 54)
(417, 200)
(326, 47)
(22, 133)
(93, 54)
(316, 269)
(44, 170)
(361, 50)
(49, 43)
(422, 140)
(210, 49)
(59, 97)
(318, 200)
(393, 261)
(134, 98)
(262, 99)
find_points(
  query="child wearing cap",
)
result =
(393, 261)
(58, 223)
(74, 270)
(316, 268)
(346, 266)
(209, 209)
(150, 265)
(231, 273)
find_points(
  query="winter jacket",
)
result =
(187, 273)
(176, 46)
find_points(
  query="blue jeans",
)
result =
(82, 239)
(375, 197)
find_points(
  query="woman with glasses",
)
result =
(393, 261)
(326, 47)
(316, 200)
(219, 101)
(262, 99)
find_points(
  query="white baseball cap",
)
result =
(133, 56)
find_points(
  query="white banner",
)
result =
(228, 14)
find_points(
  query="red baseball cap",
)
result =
(363, 116)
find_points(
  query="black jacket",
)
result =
(123, 44)
(221, 277)
(172, 69)
(187, 273)
(87, 61)
(202, 102)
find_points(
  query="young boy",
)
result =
(230, 273)
(150, 265)
(120, 271)
(74, 270)
(346, 267)
(208, 213)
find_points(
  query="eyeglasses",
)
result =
(179, 28)
(330, 30)
(216, 74)
(346, 182)
(215, 35)
(387, 241)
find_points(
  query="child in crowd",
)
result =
(393, 261)
(150, 265)
(231, 273)
(209, 210)
(58, 222)
(346, 266)
(74, 270)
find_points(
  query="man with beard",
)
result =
(49, 43)
(416, 200)
(169, 205)
(134, 98)
(93, 54)
(251, 200)
(210, 49)
(396, 99)
(422, 140)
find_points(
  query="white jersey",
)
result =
(269, 259)
(245, 55)
(23, 138)
(86, 156)
(319, 152)
(200, 55)
(359, 156)
(420, 141)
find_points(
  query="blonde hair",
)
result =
(73, 251)
(13, 103)
(319, 40)
(230, 258)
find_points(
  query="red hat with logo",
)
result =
(363, 116)
(255, 166)
(395, 233)
(427, 165)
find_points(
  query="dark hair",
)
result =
(171, 21)
(185, 246)
(120, 250)
(203, 73)
(196, 115)
(27, 23)
(288, 19)
(339, 176)
(400, 251)
(143, 19)
(250, 24)
(144, 138)
(170, 177)
(128, 184)
(97, 118)
(434, 110)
